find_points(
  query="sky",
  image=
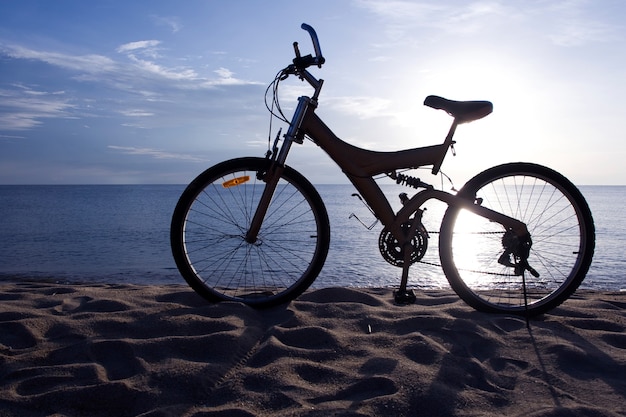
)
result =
(154, 91)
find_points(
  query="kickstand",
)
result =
(404, 296)
(527, 315)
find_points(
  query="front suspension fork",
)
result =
(271, 178)
(276, 166)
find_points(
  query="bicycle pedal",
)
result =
(404, 297)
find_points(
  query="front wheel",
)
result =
(472, 249)
(209, 227)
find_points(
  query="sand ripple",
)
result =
(105, 350)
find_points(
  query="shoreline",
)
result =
(157, 350)
(176, 280)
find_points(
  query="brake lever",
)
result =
(286, 72)
(296, 49)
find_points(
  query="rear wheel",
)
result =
(209, 226)
(472, 249)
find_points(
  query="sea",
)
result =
(120, 234)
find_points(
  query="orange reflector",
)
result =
(236, 181)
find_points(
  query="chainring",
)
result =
(392, 252)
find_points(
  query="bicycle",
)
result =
(517, 238)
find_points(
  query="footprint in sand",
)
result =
(117, 358)
(617, 340)
(15, 335)
(71, 304)
(365, 389)
(378, 365)
(88, 304)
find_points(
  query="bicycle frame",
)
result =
(288, 238)
(361, 165)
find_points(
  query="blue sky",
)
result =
(152, 91)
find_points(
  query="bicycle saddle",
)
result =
(462, 111)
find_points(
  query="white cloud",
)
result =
(226, 77)
(577, 32)
(142, 55)
(399, 9)
(168, 73)
(256, 143)
(132, 46)
(361, 107)
(154, 153)
(24, 108)
(11, 137)
(572, 23)
(138, 51)
(172, 22)
(452, 18)
(224, 73)
(137, 73)
(136, 113)
(91, 63)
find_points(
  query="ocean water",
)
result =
(120, 234)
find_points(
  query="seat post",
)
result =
(446, 145)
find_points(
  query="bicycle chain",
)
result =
(438, 265)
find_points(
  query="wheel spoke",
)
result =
(211, 221)
(475, 251)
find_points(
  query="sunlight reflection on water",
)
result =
(121, 234)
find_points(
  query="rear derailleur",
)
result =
(516, 252)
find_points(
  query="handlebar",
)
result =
(308, 60)
(316, 44)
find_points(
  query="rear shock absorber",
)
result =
(408, 180)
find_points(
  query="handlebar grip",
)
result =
(319, 58)
(296, 50)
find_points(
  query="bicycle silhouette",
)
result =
(517, 238)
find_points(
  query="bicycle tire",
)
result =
(208, 230)
(561, 227)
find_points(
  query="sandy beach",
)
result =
(112, 350)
